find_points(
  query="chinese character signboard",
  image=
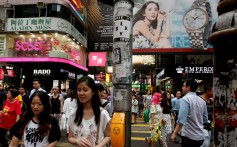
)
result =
(45, 24)
(97, 59)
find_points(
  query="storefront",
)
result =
(43, 56)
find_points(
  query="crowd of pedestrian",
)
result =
(188, 115)
(87, 113)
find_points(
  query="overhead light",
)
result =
(45, 35)
(21, 35)
(40, 32)
(73, 39)
(56, 34)
(78, 43)
(17, 33)
(32, 35)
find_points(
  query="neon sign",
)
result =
(76, 3)
(28, 46)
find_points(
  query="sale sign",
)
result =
(97, 59)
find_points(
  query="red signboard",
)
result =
(10, 73)
(97, 59)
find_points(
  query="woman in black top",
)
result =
(166, 121)
(37, 127)
(56, 103)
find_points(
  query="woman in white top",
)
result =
(89, 125)
(134, 109)
(70, 105)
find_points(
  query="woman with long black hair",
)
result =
(37, 127)
(89, 125)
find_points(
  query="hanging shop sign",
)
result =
(97, 59)
(71, 75)
(160, 74)
(10, 73)
(45, 24)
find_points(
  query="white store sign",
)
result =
(44, 24)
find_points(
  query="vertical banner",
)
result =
(100, 26)
(121, 56)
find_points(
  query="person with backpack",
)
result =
(103, 98)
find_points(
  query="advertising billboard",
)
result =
(159, 24)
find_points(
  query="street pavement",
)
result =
(140, 131)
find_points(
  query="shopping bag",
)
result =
(63, 125)
(146, 115)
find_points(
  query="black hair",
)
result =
(45, 118)
(193, 84)
(100, 87)
(14, 92)
(95, 101)
(140, 14)
(36, 80)
(72, 95)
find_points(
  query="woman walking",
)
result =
(56, 103)
(89, 125)
(166, 121)
(70, 105)
(10, 114)
(37, 127)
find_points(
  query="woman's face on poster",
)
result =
(151, 11)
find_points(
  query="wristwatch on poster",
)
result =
(198, 21)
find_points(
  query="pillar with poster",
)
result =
(122, 65)
(224, 40)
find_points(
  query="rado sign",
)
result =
(199, 70)
(41, 72)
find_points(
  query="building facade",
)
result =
(46, 40)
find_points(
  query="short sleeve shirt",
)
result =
(19, 98)
(88, 127)
(32, 138)
(9, 114)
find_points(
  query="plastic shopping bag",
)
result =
(63, 125)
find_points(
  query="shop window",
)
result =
(26, 11)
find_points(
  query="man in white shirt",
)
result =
(36, 85)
